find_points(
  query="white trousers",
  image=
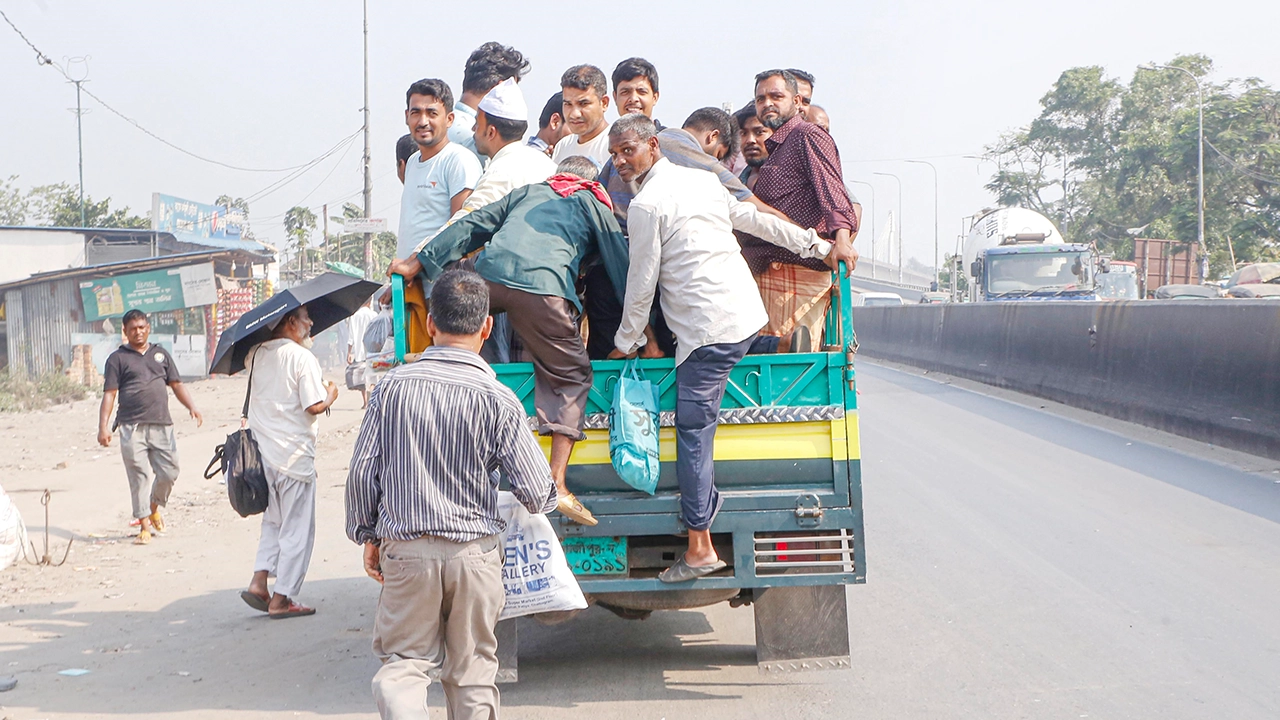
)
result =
(288, 531)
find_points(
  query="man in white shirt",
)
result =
(357, 355)
(586, 99)
(488, 65)
(441, 175)
(286, 394)
(681, 227)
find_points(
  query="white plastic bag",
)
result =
(13, 534)
(535, 575)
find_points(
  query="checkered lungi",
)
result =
(795, 296)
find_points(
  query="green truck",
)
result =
(787, 462)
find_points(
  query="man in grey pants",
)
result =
(422, 498)
(139, 372)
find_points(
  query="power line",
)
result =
(43, 59)
(1261, 177)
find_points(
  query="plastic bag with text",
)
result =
(535, 575)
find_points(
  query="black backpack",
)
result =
(240, 461)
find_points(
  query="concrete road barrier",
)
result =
(1205, 370)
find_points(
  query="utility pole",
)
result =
(899, 224)
(325, 210)
(368, 181)
(79, 135)
(935, 214)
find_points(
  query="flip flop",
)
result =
(143, 538)
(254, 600)
(682, 571)
(295, 610)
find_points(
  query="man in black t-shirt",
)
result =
(139, 372)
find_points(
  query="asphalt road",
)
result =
(1021, 564)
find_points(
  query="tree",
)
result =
(298, 224)
(13, 204)
(58, 205)
(237, 207)
(1104, 157)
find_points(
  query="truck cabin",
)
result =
(1039, 271)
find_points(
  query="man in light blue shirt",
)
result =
(489, 64)
(438, 178)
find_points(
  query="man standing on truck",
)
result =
(681, 231)
(534, 241)
(422, 498)
(802, 178)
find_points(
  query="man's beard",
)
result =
(307, 342)
(755, 162)
(777, 121)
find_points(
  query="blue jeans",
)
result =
(700, 384)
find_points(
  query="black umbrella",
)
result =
(330, 298)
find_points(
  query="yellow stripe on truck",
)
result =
(769, 441)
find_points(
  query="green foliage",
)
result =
(1127, 155)
(58, 205)
(237, 205)
(13, 204)
(21, 394)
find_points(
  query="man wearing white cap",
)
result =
(502, 119)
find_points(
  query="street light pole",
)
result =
(935, 213)
(368, 182)
(899, 224)
(873, 223)
(1200, 151)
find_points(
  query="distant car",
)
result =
(1187, 292)
(1268, 291)
(931, 298)
(874, 299)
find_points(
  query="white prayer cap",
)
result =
(506, 101)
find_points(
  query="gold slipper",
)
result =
(570, 507)
(157, 522)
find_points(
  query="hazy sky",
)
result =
(274, 85)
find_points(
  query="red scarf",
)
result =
(566, 185)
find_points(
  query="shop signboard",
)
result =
(176, 215)
(167, 289)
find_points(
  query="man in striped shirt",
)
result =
(422, 497)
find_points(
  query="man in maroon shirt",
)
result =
(803, 180)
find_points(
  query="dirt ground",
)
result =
(160, 628)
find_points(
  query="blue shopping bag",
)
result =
(633, 429)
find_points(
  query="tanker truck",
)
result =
(1018, 254)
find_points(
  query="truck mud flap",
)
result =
(801, 628)
(508, 649)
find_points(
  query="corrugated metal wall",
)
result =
(41, 319)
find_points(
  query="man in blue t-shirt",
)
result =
(139, 372)
(441, 175)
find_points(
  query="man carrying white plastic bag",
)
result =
(422, 498)
(535, 575)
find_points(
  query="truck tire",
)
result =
(665, 599)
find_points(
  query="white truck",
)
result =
(1018, 254)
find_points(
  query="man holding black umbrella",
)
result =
(287, 392)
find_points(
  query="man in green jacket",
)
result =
(534, 240)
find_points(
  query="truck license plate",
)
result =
(596, 555)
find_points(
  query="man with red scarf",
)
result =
(534, 240)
